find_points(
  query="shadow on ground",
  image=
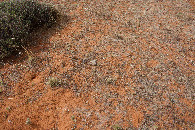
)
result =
(38, 42)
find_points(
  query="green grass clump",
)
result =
(18, 19)
(116, 127)
(54, 82)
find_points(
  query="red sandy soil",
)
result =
(121, 64)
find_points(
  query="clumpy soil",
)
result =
(125, 64)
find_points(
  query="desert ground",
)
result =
(114, 64)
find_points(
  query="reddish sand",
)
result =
(127, 64)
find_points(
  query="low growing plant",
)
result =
(54, 82)
(116, 127)
(28, 121)
(18, 19)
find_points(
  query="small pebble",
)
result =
(93, 62)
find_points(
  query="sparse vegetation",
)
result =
(54, 82)
(28, 122)
(8, 108)
(18, 19)
(73, 118)
(116, 127)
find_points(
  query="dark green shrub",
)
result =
(18, 19)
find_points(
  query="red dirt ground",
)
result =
(125, 64)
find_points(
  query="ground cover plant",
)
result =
(18, 19)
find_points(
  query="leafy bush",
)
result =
(18, 19)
